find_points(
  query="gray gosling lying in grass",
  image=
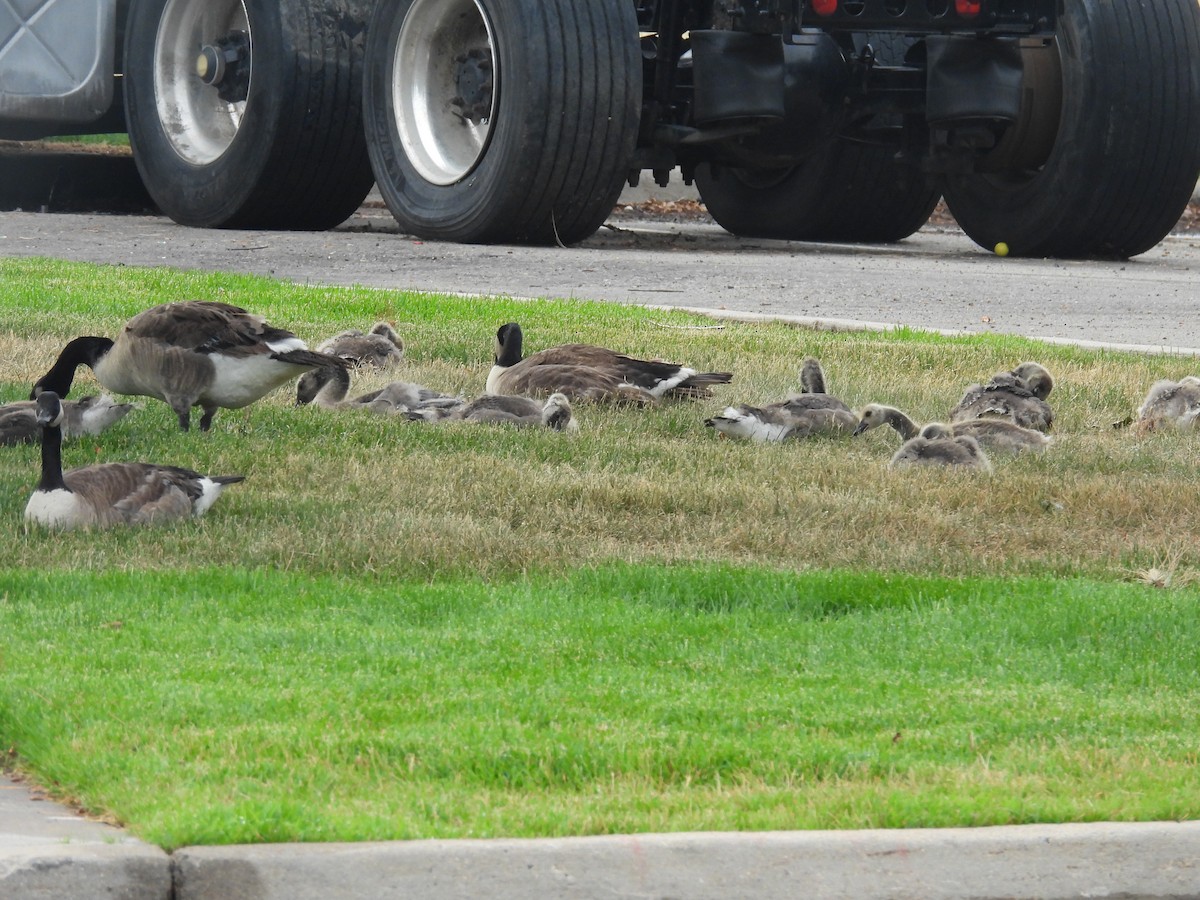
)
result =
(193, 353)
(112, 493)
(776, 423)
(329, 386)
(810, 413)
(554, 412)
(1170, 404)
(935, 445)
(587, 372)
(381, 347)
(87, 415)
(994, 435)
(1018, 396)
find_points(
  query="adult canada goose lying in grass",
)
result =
(88, 415)
(1019, 396)
(935, 445)
(995, 435)
(506, 409)
(112, 493)
(588, 372)
(1170, 404)
(380, 347)
(778, 423)
(328, 387)
(193, 353)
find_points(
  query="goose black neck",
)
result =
(52, 473)
(82, 351)
(508, 345)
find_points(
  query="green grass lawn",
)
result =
(396, 631)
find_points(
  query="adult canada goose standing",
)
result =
(995, 435)
(112, 493)
(936, 445)
(88, 415)
(1019, 396)
(192, 353)
(328, 387)
(1174, 404)
(588, 372)
(380, 347)
(506, 409)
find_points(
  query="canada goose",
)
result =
(777, 422)
(995, 435)
(380, 347)
(506, 409)
(1019, 396)
(811, 412)
(876, 414)
(88, 415)
(328, 387)
(112, 493)
(936, 446)
(1170, 403)
(193, 353)
(813, 394)
(588, 372)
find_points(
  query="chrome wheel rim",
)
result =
(445, 83)
(199, 123)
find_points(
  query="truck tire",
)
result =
(495, 121)
(848, 191)
(1124, 154)
(260, 129)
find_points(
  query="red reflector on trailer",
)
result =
(824, 7)
(967, 8)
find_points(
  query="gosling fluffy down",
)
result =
(110, 494)
(807, 414)
(937, 446)
(329, 386)
(1170, 404)
(88, 415)
(994, 435)
(554, 413)
(1019, 396)
(381, 347)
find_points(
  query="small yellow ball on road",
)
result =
(1001, 249)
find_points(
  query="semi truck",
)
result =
(1060, 128)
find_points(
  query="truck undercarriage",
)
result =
(1068, 128)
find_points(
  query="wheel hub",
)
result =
(225, 65)
(474, 82)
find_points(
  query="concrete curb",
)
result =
(46, 851)
(49, 853)
(1150, 860)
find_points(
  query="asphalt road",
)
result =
(938, 279)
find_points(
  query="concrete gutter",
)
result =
(49, 853)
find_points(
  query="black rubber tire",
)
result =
(298, 159)
(562, 138)
(847, 192)
(1125, 160)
